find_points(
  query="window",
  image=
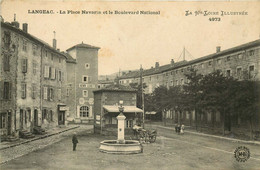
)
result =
(23, 88)
(46, 71)
(85, 93)
(202, 65)
(85, 79)
(67, 92)
(7, 90)
(251, 71)
(2, 120)
(52, 57)
(150, 78)
(87, 65)
(24, 65)
(7, 39)
(34, 68)
(51, 94)
(129, 123)
(59, 94)
(35, 49)
(219, 61)
(177, 82)
(210, 63)
(6, 62)
(84, 111)
(24, 45)
(239, 73)
(59, 75)
(33, 91)
(50, 72)
(45, 93)
(251, 52)
(59, 60)
(228, 73)
(228, 58)
(166, 74)
(171, 72)
(167, 85)
(46, 53)
(171, 83)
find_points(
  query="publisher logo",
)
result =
(242, 154)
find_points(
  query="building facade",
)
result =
(241, 62)
(82, 80)
(31, 81)
(106, 108)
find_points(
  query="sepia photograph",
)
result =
(129, 85)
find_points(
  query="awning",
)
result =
(127, 109)
(150, 113)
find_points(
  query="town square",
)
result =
(129, 85)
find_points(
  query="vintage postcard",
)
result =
(129, 84)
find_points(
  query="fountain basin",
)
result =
(112, 146)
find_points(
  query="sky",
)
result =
(127, 41)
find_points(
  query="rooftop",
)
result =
(82, 45)
(116, 88)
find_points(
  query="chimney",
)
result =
(172, 62)
(15, 23)
(157, 65)
(218, 49)
(54, 41)
(25, 27)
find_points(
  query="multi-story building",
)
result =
(31, 81)
(241, 62)
(82, 80)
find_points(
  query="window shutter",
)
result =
(10, 90)
(49, 72)
(48, 93)
(1, 90)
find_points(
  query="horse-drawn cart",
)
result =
(144, 135)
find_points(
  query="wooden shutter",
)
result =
(10, 90)
(1, 90)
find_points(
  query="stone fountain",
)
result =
(120, 146)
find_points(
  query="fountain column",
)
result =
(121, 124)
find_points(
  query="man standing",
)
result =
(74, 141)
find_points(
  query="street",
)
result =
(170, 151)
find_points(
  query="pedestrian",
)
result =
(176, 128)
(74, 141)
(182, 129)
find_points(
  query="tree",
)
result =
(192, 92)
(246, 104)
(216, 94)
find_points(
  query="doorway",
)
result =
(9, 123)
(61, 118)
(35, 117)
(21, 118)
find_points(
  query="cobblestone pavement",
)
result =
(23, 149)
